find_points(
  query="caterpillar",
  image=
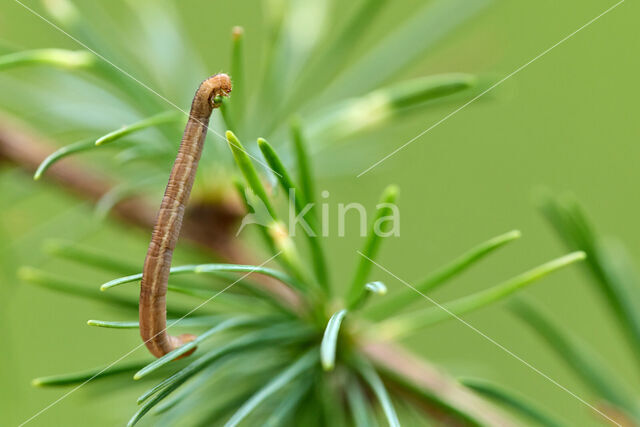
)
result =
(155, 273)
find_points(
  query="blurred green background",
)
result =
(566, 122)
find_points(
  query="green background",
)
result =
(567, 122)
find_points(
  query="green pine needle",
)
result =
(61, 153)
(186, 322)
(89, 256)
(280, 333)
(64, 285)
(405, 297)
(184, 269)
(211, 269)
(303, 163)
(67, 59)
(339, 49)
(377, 288)
(153, 402)
(88, 144)
(300, 205)
(226, 105)
(358, 405)
(190, 388)
(283, 176)
(578, 357)
(330, 340)
(415, 321)
(303, 364)
(511, 400)
(90, 375)
(289, 403)
(382, 105)
(115, 324)
(249, 172)
(172, 355)
(238, 76)
(398, 49)
(153, 121)
(371, 377)
(607, 261)
(277, 232)
(371, 246)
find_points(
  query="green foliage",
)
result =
(303, 163)
(304, 363)
(238, 73)
(175, 354)
(371, 245)
(377, 288)
(416, 321)
(365, 113)
(82, 377)
(157, 120)
(61, 153)
(298, 338)
(317, 62)
(358, 405)
(214, 269)
(312, 349)
(511, 400)
(608, 262)
(402, 299)
(243, 160)
(330, 340)
(578, 357)
(183, 323)
(373, 380)
(48, 57)
(300, 202)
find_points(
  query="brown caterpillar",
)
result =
(155, 274)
